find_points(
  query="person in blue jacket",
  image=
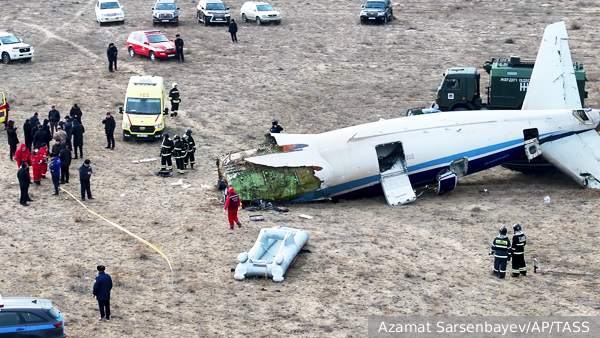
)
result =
(102, 287)
(54, 167)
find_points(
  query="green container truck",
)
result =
(509, 79)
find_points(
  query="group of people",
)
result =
(38, 154)
(182, 149)
(503, 250)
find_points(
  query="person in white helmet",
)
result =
(174, 97)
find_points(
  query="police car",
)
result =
(30, 317)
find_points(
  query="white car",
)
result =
(109, 11)
(12, 48)
(260, 12)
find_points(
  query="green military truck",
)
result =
(509, 79)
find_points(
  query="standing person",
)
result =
(60, 133)
(65, 162)
(35, 119)
(191, 150)
(165, 153)
(75, 113)
(53, 117)
(111, 52)
(518, 252)
(13, 140)
(179, 149)
(44, 152)
(77, 133)
(232, 203)
(55, 171)
(22, 154)
(85, 173)
(46, 127)
(36, 164)
(501, 251)
(68, 127)
(24, 182)
(101, 292)
(175, 99)
(57, 146)
(39, 136)
(179, 47)
(109, 129)
(275, 127)
(27, 128)
(233, 31)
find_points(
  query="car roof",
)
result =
(5, 34)
(153, 32)
(25, 303)
(101, 1)
(165, 1)
(213, 1)
(256, 2)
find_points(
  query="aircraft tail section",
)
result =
(553, 84)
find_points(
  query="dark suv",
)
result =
(377, 10)
(30, 317)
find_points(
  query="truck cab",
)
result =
(144, 108)
(459, 89)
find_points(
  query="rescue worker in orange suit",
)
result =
(174, 97)
(22, 154)
(179, 149)
(232, 203)
(501, 250)
(165, 153)
(44, 152)
(518, 252)
(191, 149)
(36, 165)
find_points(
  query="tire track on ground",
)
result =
(78, 13)
(80, 47)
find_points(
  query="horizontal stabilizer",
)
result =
(578, 156)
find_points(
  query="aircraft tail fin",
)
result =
(553, 84)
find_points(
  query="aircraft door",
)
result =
(532, 143)
(394, 178)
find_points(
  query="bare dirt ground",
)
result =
(319, 70)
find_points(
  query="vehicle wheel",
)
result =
(362, 22)
(258, 22)
(131, 52)
(198, 17)
(385, 20)
(100, 23)
(277, 22)
(244, 18)
(205, 20)
(152, 56)
(26, 59)
(5, 58)
(460, 109)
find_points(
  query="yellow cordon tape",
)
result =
(125, 231)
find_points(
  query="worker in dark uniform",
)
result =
(191, 150)
(179, 47)
(165, 153)
(179, 149)
(501, 250)
(275, 127)
(174, 97)
(518, 252)
(111, 53)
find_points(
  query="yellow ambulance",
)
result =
(3, 110)
(145, 108)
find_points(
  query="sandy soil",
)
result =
(319, 70)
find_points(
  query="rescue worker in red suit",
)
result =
(36, 161)
(22, 154)
(232, 203)
(44, 152)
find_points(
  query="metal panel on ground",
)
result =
(397, 188)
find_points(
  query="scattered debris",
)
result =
(547, 199)
(179, 182)
(536, 265)
(144, 160)
(249, 209)
(205, 186)
(123, 195)
(484, 191)
(305, 216)
(185, 186)
(273, 213)
(163, 173)
(256, 218)
(281, 209)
